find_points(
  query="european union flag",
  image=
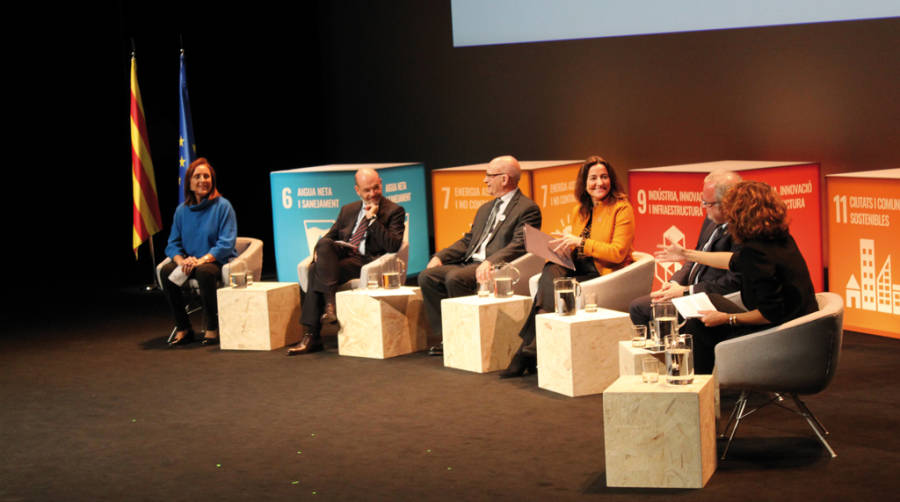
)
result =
(186, 147)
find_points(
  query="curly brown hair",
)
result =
(754, 210)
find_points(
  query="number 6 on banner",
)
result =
(286, 200)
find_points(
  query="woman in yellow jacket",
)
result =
(600, 242)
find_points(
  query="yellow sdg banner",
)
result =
(458, 192)
(864, 248)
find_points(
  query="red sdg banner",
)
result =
(864, 248)
(667, 206)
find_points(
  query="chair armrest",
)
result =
(249, 260)
(528, 265)
(616, 290)
(160, 278)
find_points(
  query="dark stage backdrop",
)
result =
(277, 86)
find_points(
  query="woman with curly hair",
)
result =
(775, 282)
(600, 242)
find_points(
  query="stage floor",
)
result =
(96, 407)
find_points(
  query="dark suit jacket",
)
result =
(508, 241)
(385, 234)
(710, 279)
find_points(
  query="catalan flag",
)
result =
(147, 219)
(187, 150)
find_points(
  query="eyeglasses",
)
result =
(708, 204)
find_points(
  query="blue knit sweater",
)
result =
(207, 227)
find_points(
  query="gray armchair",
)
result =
(797, 357)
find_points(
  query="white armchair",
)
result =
(371, 269)
(528, 265)
(616, 290)
(249, 259)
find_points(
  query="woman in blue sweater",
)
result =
(202, 239)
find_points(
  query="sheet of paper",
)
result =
(538, 243)
(691, 305)
(177, 276)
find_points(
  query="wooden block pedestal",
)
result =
(659, 435)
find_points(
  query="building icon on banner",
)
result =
(664, 271)
(877, 293)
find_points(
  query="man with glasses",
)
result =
(497, 235)
(714, 236)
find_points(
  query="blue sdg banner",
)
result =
(306, 201)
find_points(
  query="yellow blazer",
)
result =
(612, 234)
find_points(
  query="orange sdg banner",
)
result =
(864, 249)
(554, 193)
(456, 195)
(458, 192)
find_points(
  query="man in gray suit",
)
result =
(714, 236)
(497, 235)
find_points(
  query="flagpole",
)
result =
(153, 285)
(147, 218)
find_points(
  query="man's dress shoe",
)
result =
(436, 350)
(308, 344)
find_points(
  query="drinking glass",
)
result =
(390, 273)
(238, 279)
(649, 369)
(566, 291)
(664, 322)
(638, 335)
(679, 359)
(590, 303)
(505, 277)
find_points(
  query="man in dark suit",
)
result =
(497, 235)
(363, 231)
(714, 236)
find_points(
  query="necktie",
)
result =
(695, 269)
(488, 226)
(360, 231)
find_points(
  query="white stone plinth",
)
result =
(381, 323)
(262, 316)
(578, 354)
(630, 359)
(659, 435)
(482, 334)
